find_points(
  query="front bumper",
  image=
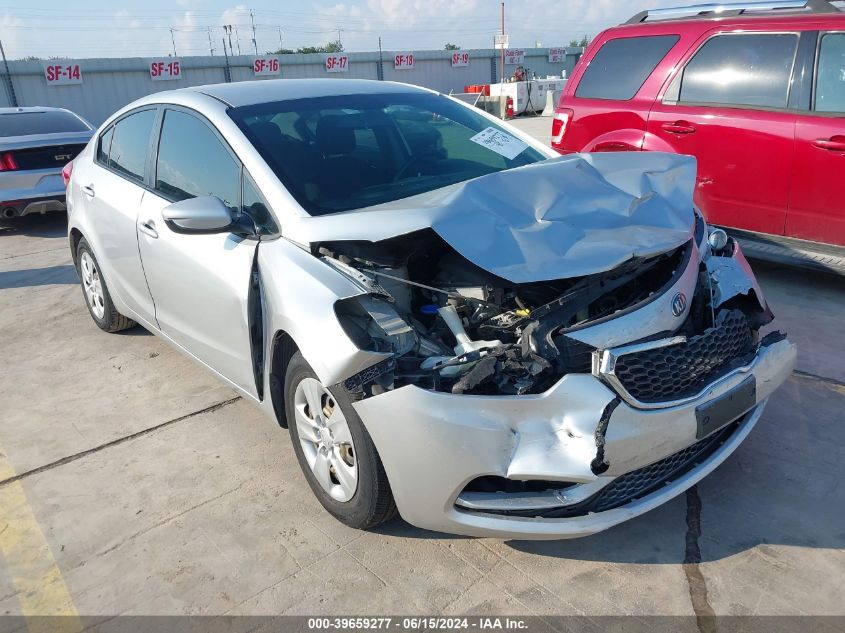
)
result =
(433, 444)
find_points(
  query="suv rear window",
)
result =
(51, 122)
(621, 66)
(750, 69)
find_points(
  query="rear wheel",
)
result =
(96, 293)
(335, 451)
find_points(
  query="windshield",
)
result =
(341, 153)
(26, 123)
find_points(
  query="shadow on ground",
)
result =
(50, 225)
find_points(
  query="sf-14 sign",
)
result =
(62, 73)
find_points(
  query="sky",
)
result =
(133, 28)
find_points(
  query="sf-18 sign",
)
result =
(403, 61)
(514, 56)
(337, 63)
(62, 74)
(557, 55)
(460, 59)
(166, 69)
(265, 66)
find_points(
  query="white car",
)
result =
(452, 321)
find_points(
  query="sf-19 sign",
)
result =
(337, 63)
(403, 61)
(62, 74)
(166, 69)
(460, 59)
(265, 66)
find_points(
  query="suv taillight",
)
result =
(67, 170)
(8, 162)
(560, 123)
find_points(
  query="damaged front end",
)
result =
(547, 405)
(452, 326)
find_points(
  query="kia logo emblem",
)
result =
(679, 304)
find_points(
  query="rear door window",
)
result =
(130, 143)
(745, 69)
(620, 67)
(193, 162)
(830, 76)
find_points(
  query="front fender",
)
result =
(299, 293)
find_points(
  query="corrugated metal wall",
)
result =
(109, 84)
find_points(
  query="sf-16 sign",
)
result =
(337, 63)
(265, 66)
(461, 58)
(62, 73)
(166, 69)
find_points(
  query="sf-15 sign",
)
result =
(62, 73)
(337, 63)
(265, 66)
(166, 69)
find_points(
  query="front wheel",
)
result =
(335, 451)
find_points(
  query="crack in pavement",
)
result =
(816, 378)
(116, 442)
(705, 617)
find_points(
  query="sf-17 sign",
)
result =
(337, 63)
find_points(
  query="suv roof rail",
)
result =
(739, 8)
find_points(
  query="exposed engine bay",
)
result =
(452, 326)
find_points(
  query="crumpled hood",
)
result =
(563, 217)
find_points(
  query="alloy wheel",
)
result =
(92, 285)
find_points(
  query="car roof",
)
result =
(703, 23)
(31, 109)
(253, 92)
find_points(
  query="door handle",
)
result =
(679, 127)
(88, 190)
(148, 228)
(834, 144)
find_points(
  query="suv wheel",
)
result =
(335, 451)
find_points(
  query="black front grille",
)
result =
(637, 483)
(47, 157)
(678, 371)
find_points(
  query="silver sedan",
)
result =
(451, 320)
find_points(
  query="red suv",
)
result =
(755, 91)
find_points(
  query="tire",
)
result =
(371, 501)
(96, 293)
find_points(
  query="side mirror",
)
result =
(207, 214)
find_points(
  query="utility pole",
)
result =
(210, 47)
(503, 44)
(238, 40)
(281, 47)
(380, 62)
(338, 35)
(13, 98)
(173, 39)
(228, 28)
(252, 19)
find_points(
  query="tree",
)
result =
(584, 41)
(331, 47)
(573, 43)
(452, 47)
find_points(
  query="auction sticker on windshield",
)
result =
(500, 142)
